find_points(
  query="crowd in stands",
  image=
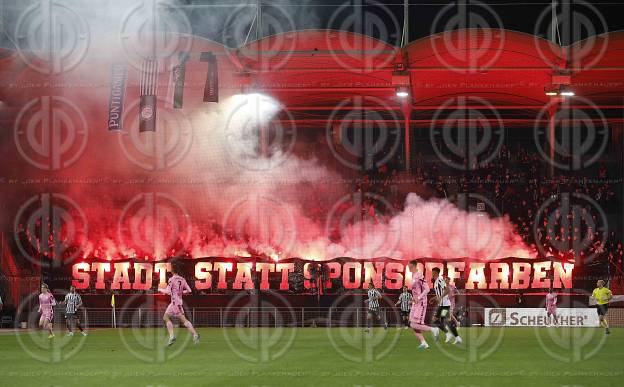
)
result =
(521, 185)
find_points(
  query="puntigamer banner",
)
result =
(334, 276)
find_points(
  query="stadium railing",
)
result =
(264, 317)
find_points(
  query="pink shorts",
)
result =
(551, 309)
(418, 312)
(174, 310)
(47, 315)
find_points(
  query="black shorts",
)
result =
(373, 311)
(440, 312)
(602, 309)
(405, 313)
(71, 316)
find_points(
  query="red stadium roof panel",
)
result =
(470, 50)
(321, 70)
(318, 50)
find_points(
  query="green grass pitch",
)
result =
(314, 357)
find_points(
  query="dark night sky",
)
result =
(228, 21)
(432, 16)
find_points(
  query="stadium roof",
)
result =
(314, 72)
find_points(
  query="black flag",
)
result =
(147, 106)
(178, 75)
(211, 89)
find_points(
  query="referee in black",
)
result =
(405, 299)
(72, 303)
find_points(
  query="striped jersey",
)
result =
(373, 298)
(72, 302)
(406, 301)
(439, 287)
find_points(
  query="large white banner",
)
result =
(536, 317)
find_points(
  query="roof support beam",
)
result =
(475, 70)
(464, 120)
(451, 107)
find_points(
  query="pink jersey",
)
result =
(420, 288)
(176, 288)
(551, 300)
(46, 302)
(452, 292)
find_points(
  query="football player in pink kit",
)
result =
(176, 287)
(420, 289)
(46, 304)
(452, 293)
(551, 307)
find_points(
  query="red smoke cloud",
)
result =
(199, 186)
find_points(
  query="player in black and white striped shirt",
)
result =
(444, 305)
(374, 296)
(72, 303)
(405, 299)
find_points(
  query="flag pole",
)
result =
(114, 314)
